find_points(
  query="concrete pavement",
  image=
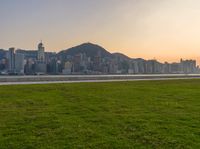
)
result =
(49, 79)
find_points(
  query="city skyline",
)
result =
(176, 60)
(165, 30)
(118, 52)
(86, 58)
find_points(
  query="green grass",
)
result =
(146, 114)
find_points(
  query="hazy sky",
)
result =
(161, 29)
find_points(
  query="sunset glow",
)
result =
(163, 29)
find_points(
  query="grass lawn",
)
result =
(145, 114)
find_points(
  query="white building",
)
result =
(67, 68)
(41, 52)
(41, 67)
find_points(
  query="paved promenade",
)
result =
(47, 79)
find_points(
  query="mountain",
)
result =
(121, 57)
(91, 50)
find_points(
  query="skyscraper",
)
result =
(41, 54)
(19, 63)
(11, 59)
(41, 67)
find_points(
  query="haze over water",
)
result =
(163, 29)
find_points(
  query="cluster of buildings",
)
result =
(22, 62)
(32, 62)
(140, 66)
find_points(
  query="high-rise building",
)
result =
(67, 68)
(11, 59)
(188, 66)
(41, 66)
(41, 54)
(19, 63)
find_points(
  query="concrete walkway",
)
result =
(17, 80)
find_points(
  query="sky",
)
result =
(166, 30)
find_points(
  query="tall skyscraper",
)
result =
(11, 59)
(19, 63)
(41, 67)
(41, 54)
